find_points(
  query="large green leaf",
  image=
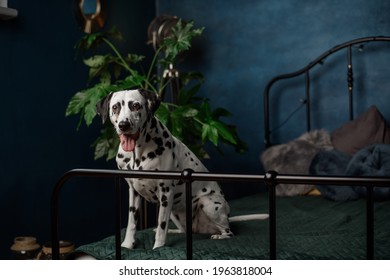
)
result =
(224, 131)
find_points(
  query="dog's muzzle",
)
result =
(124, 126)
(127, 140)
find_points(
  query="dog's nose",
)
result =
(124, 125)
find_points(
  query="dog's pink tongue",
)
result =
(127, 142)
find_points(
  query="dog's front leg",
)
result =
(165, 208)
(134, 206)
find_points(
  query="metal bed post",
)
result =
(307, 93)
(118, 219)
(187, 178)
(350, 82)
(370, 222)
(270, 180)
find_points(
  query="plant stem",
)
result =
(124, 63)
(127, 67)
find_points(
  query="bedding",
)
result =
(373, 160)
(295, 157)
(307, 228)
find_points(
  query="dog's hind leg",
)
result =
(134, 206)
(217, 210)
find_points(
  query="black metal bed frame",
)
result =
(270, 178)
(305, 71)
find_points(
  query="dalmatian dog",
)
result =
(146, 144)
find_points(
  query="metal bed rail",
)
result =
(270, 179)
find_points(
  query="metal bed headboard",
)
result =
(305, 71)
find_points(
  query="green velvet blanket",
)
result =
(307, 228)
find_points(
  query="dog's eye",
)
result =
(116, 107)
(135, 106)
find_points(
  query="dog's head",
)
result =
(128, 111)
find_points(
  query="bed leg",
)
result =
(270, 180)
(118, 252)
(370, 223)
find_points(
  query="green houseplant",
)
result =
(190, 117)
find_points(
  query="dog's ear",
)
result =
(103, 107)
(152, 99)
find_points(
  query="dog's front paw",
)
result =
(158, 245)
(129, 244)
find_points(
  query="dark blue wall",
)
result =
(39, 72)
(246, 43)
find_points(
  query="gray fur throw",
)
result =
(295, 157)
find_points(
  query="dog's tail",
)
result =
(248, 217)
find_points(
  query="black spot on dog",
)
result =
(158, 141)
(147, 138)
(204, 190)
(162, 184)
(212, 192)
(143, 158)
(140, 168)
(216, 202)
(168, 145)
(151, 155)
(165, 189)
(164, 204)
(159, 151)
(137, 162)
(153, 123)
(126, 160)
(163, 225)
(173, 156)
(165, 134)
(201, 206)
(119, 155)
(191, 159)
(132, 209)
(196, 200)
(216, 208)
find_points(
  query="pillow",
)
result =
(369, 128)
(295, 157)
